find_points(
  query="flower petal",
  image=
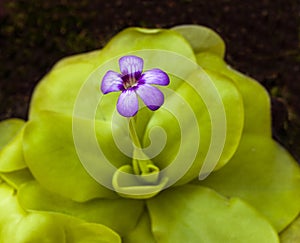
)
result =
(152, 96)
(131, 65)
(111, 82)
(155, 76)
(128, 104)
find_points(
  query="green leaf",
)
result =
(134, 39)
(11, 156)
(218, 117)
(142, 231)
(202, 39)
(120, 215)
(17, 178)
(88, 232)
(262, 173)
(17, 226)
(58, 90)
(198, 214)
(255, 98)
(34, 228)
(9, 129)
(52, 158)
(292, 233)
(56, 228)
(10, 211)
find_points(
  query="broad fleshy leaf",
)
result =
(262, 173)
(51, 156)
(142, 232)
(19, 226)
(11, 154)
(292, 233)
(58, 90)
(17, 178)
(9, 129)
(57, 228)
(134, 39)
(198, 214)
(120, 215)
(182, 134)
(255, 98)
(202, 39)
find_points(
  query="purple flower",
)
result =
(132, 82)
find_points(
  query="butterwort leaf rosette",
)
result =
(154, 138)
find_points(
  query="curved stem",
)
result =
(139, 166)
(133, 133)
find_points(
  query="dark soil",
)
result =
(262, 38)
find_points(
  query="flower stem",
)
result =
(133, 133)
(140, 166)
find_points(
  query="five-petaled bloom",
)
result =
(132, 82)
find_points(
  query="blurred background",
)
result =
(262, 38)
